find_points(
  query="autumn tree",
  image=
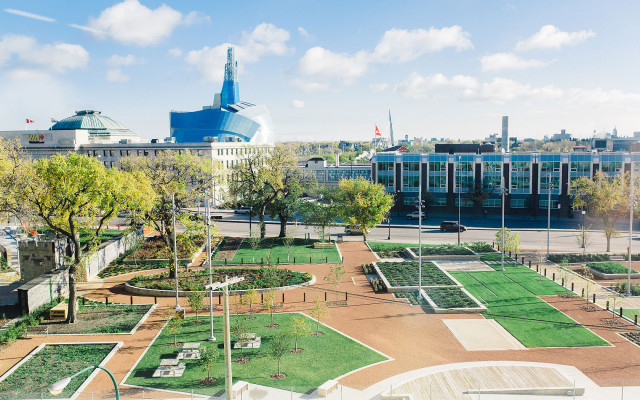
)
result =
(511, 240)
(176, 320)
(321, 214)
(261, 178)
(183, 176)
(299, 328)
(336, 272)
(270, 305)
(604, 197)
(196, 301)
(363, 204)
(76, 192)
(249, 298)
(318, 312)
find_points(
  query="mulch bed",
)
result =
(241, 360)
(295, 351)
(614, 323)
(633, 337)
(340, 303)
(588, 308)
(209, 381)
(278, 376)
(227, 250)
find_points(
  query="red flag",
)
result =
(378, 131)
(30, 121)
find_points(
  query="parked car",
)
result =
(124, 214)
(242, 210)
(452, 226)
(354, 230)
(414, 215)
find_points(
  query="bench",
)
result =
(326, 388)
(238, 388)
(59, 311)
(37, 330)
(616, 258)
(327, 245)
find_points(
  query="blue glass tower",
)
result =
(228, 119)
(230, 90)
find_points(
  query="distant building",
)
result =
(563, 135)
(504, 143)
(227, 120)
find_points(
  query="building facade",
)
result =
(473, 180)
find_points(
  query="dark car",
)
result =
(452, 226)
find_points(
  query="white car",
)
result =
(414, 215)
(354, 230)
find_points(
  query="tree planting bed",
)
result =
(450, 297)
(257, 278)
(154, 248)
(102, 319)
(51, 363)
(611, 270)
(389, 250)
(322, 358)
(403, 276)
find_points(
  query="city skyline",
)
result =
(328, 70)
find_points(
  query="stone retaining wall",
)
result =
(43, 289)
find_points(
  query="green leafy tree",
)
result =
(242, 338)
(279, 348)
(176, 320)
(270, 305)
(363, 204)
(184, 176)
(318, 312)
(321, 214)
(478, 195)
(511, 240)
(76, 192)
(336, 272)
(209, 355)
(604, 197)
(299, 328)
(196, 301)
(249, 298)
(261, 178)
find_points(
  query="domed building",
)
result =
(228, 119)
(99, 128)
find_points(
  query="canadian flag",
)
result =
(30, 121)
(377, 131)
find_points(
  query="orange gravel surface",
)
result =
(412, 337)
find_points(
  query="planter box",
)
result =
(459, 310)
(392, 289)
(452, 257)
(602, 275)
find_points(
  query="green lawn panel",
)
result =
(323, 358)
(274, 249)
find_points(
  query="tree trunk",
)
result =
(168, 241)
(263, 228)
(608, 244)
(283, 226)
(73, 295)
(278, 367)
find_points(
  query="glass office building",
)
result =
(227, 120)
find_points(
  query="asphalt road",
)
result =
(532, 232)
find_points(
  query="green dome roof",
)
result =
(92, 121)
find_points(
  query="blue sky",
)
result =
(329, 70)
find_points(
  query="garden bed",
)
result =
(446, 300)
(102, 319)
(49, 363)
(256, 278)
(443, 251)
(611, 270)
(155, 249)
(403, 276)
(480, 247)
(389, 250)
(275, 251)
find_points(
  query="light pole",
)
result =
(228, 377)
(502, 193)
(631, 201)
(459, 186)
(175, 247)
(549, 188)
(58, 387)
(250, 232)
(207, 213)
(420, 231)
(584, 244)
(389, 220)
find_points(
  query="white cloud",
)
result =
(265, 39)
(318, 61)
(600, 97)
(499, 61)
(87, 29)
(401, 45)
(297, 104)
(417, 86)
(174, 52)
(27, 74)
(303, 32)
(29, 15)
(116, 75)
(58, 57)
(395, 46)
(378, 87)
(550, 37)
(310, 87)
(129, 59)
(130, 22)
(501, 90)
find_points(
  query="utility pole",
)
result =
(208, 216)
(175, 247)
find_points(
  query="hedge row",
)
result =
(19, 328)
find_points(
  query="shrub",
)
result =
(610, 267)
(621, 287)
(480, 247)
(18, 330)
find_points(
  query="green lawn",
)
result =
(323, 358)
(611, 267)
(511, 298)
(629, 312)
(301, 250)
(49, 365)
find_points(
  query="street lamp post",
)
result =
(502, 193)
(175, 248)
(389, 220)
(459, 186)
(58, 387)
(631, 204)
(208, 211)
(420, 231)
(549, 189)
(584, 244)
(250, 212)
(228, 377)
